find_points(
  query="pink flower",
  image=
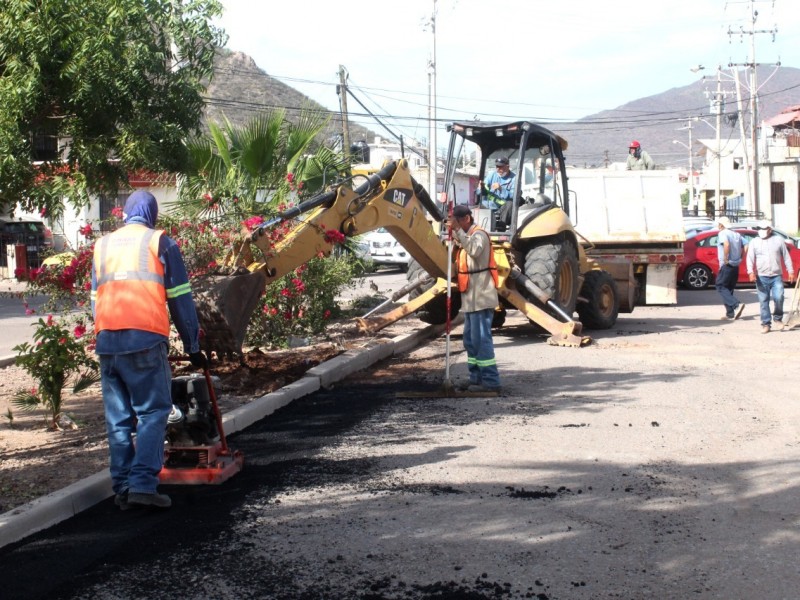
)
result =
(86, 230)
(43, 212)
(50, 321)
(290, 177)
(116, 212)
(62, 341)
(79, 330)
(30, 311)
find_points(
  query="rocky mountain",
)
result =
(240, 89)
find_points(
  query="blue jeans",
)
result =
(136, 395)
(478, 343)
(770, 286)
(725, 284)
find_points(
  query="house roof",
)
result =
(785, 118)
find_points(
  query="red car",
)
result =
(700, 265)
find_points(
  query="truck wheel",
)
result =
(553, 267)
(435, 311)
(602, 303)
(696, 277)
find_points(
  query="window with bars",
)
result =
(106, 206)
(776, 192)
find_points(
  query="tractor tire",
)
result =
(602, 302)
(435, 311)
(553, 267)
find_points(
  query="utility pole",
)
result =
(341, 89)
(752, 64)
(717, 105)
(432, 109)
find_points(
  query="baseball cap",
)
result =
(724, 221)
(764, 225)
(461, 210)
(501, 161)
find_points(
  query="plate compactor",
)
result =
(195, 450)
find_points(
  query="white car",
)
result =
(385, 250)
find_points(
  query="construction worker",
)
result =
(499, 184)
(477, 282)
(638, 159)
(137, 271)
(730, 251)
(766, 256)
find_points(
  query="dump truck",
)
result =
(632, 224)
(542, 267)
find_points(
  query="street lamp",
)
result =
(692, 201)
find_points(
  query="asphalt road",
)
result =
(16, 324)
(660, 462)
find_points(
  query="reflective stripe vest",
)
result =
(464, 272)
(130, 281)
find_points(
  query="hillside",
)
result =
(657, 120)
(240, 89)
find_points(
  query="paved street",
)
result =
(656, 463)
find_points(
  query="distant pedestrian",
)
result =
(766, 255)
(729, 253)
(477, 282)
(638, 159)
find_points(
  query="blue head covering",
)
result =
(141, 207)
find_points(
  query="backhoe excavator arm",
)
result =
(390, 198)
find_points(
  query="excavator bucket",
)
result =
(224, 307)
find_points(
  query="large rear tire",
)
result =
(602, 303)
(553, 267)
(435, 311)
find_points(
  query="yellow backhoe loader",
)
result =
(541, 263)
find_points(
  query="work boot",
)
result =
(477, 387)
(155, 500)
(121, 500)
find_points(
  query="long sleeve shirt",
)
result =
(179, 300)
(481, 293)
(643, 163)
(764, 257)
(507, 184)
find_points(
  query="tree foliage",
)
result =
(118, 79)
(236, 172)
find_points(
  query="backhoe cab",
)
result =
(532, 231)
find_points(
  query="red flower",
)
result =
(326, 314)
(79, 330)
(43, 212)
(116, 212)
(50, 321)
(62, 341)
(86, 230)
(290, 177)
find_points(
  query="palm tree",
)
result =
(238, 172)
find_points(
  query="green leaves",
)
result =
(118, 78)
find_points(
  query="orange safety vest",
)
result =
(463, 273)
(130, 281)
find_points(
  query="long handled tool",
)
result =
(794, 312)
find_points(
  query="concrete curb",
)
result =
(49, 510)
(7, 360)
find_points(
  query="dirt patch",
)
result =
(35, 460)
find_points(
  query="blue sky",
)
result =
(545, 60)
